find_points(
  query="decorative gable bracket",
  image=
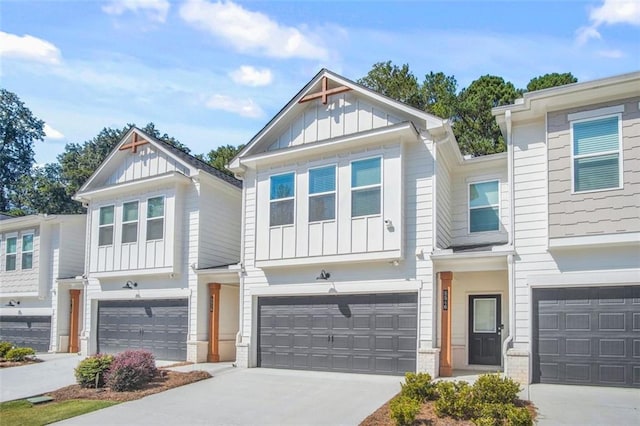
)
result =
(325, 92)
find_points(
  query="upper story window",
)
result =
(484, 206)
(27, 251)
(596, 148)
(105, 228)
(366, 187)
(12, 249)
(322, 194)
(282, 199)
(155, 218)
(130, 222)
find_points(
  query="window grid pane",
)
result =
(10, 264)
(12, 245)
(106, 215)
(105, 235)
(365, 172)
(484, 219)
(155, 207)
(365, 202)
(592, 137)
(27, 260)
(130, 211)
(593, 173)
(322, 180)
(322, 207)
(155, 229)
(484, 194)
(281, 213)
(130, 232)
(282, 186)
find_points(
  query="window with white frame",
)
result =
(322, 194)
(282, 199)
(484, 206)
(155, 218)
(11, 253)
(366, 187)
(27, 251)
(105, 226)
(596, 154)
(130, 222)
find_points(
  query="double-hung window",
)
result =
(27, 251)
(155, 218)
(282, 199)
(366, 187)
(596, 154)
(130, 222)
(105, 227)
(10, 258)
(322, 194)
(484, 206)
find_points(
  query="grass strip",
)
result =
(23, 413)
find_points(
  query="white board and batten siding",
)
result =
(344, 234)
(344, 114)
(147, 162)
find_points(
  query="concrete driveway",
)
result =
(585, 405)
(34, 379)
(256, 396)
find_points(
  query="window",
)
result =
(596, 154)
(105, 228)
(12, 248)
(27, 251)
(366, 187)
(130, 222)
(322, 194)
(282, 196)
(484, 206)
(155, 218)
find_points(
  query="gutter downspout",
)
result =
(510, 258)
(241, 273)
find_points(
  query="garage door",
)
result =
(355, 333)
(159, 326)
(32, 332)
(587, 336)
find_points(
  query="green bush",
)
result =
(519, 416)
(455, 399)
(404, 410)
(493, 389)
(4, 348)
(419, 387)
(91, 371)
(131, 370)
(19, 354)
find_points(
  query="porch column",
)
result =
(446, 368)
(214, 322)
(74, 318)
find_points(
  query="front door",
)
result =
(485, 327)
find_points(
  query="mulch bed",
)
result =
(163, 381)
(6, 364)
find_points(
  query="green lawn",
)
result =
(23, 413)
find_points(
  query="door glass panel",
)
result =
(484, 315)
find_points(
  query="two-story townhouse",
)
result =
(352, 261)
(574, 152)
(41, 284)
(163, 239)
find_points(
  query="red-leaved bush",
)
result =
(131, 370)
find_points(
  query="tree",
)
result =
(44, 191)
(19, 129)
(550, 80)
(475, 127)
(395, 82)
(220, 157)
(439, 91)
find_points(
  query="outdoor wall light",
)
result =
(130, 285)
(324, 275)
(13, 303)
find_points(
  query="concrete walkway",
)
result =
(585, 405)
(35, 379)
(256, 396)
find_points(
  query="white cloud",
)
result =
(611, 12)
(250, 76)
(29, 47)
(251, 32)
(156, 10)
(243, 107)
(584, 34)
(612, 54)
(52, 133)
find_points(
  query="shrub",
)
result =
(404, 410)
(131, 370)
(4, 348)
(493, 389)
(519, 416)
(455, 399)
(91, 371)
(419, 387)
(19, 354)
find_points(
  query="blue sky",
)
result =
(214, 72)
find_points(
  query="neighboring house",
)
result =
(41, 267)
(575, 152)
(163, 235)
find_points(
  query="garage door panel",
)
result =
(586, 336)
(27, 331)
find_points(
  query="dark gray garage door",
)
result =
(587, 336)
(354, 333)
(159, 326)
(32, 332)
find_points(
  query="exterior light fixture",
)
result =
(324, 275)
(13, 303)
(130, 285)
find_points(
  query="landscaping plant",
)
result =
(404, 409)
(90, 372)
(131, 370)
(418, 386)
(19, 354)
(4, 348)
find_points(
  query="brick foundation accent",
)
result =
(518, 366)
(197, 350)
(428, 361)
(242, 355)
